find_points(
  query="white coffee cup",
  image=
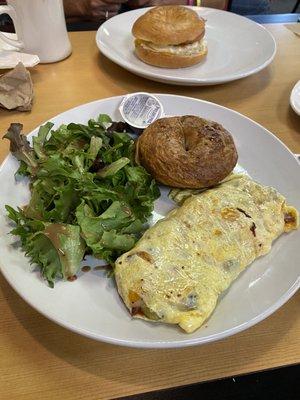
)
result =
(40, 27)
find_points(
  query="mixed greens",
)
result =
(88, 195)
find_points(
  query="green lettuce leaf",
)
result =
(68, 245)
(113, 168)
(39, 140)
(95, 146)
(87, 194)
(56, 248)
(96, 230)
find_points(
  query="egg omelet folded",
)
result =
(181, 265)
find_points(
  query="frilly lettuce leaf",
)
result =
(56, 248)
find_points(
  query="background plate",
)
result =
(295, 98)
(237, 47)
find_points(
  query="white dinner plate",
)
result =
(91, 305)
(237, 47)
(295, 98)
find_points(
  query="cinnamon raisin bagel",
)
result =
(187, 152)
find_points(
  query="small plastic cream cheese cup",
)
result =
(141, 109)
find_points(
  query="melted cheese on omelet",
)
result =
(182, 264)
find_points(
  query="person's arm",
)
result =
(92, 9)
(78, 8)
(221, 4)
(205, 3)
(146, 3)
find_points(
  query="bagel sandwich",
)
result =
(170, 37)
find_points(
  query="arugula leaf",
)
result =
(39, 140)
(104, 119)
(52, 203)
(113, 168)
(95, 146)
(58, 140)
(65, 202)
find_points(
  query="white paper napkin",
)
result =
(11, 56)
(9, 59)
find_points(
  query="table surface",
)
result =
(39, 359)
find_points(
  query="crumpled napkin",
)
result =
(16, 89)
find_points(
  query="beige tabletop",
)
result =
(41, 360)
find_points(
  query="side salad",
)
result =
(88, 195)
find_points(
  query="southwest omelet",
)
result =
(181, 265)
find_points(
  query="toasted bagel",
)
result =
(187, 152)
(169, 25)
